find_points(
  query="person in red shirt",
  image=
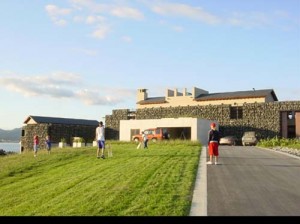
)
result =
(35, 144)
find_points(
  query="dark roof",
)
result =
(153, 100)
(237, 95)
(58, 120)
(219, 96)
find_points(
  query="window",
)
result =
(236, 112)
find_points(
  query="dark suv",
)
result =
(249, 138)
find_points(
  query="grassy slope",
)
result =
(72, 181)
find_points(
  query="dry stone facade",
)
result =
(57, 132)
(265, 118)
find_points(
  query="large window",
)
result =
(236, 113)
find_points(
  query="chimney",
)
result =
(142, 94)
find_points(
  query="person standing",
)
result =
(213, 144)
(100, 138)
(145, 140)
(35, 144)
(48, 144)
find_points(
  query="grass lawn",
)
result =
(72, 182)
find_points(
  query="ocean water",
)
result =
(10, 146)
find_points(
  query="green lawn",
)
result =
(72, 182)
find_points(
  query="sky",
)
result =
(85, 58)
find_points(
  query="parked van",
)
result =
(153, 134)
(249, 138)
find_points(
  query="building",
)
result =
(236, 112)
(200, 97)
(57, 128)
(194, 129)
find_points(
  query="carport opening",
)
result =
(182, 133)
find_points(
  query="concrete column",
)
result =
(284, 124)
(297, 124)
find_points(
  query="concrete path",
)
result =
(248, 182)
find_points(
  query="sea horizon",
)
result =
(10, 146)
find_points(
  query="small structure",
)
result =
(186, 128)
(57, 128)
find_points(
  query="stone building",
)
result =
(57, 128)
(236, 112)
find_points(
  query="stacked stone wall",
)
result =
(264, 118)
(112, 123)
(56, 132)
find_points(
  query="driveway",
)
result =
(253, 182)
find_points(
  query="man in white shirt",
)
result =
(145, 140)
(100, 138)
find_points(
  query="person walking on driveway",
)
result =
(213, 144)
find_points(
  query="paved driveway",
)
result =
(249, 182)
(253, 182)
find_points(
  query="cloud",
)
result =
(92, 13)
(100, 32)
(112, 9)
(184, 10)
(60, 85)
(127, 12)
(104, 17)
(53, 10)
(250, 19)
(94, 19)
(55, 13)
(246, 19)
(89, 5)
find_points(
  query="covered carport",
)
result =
(186, 128)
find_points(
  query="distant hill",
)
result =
(11, 135)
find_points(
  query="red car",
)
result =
(153, 134)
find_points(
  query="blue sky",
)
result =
(85, 58)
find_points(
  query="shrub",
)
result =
(63, 140)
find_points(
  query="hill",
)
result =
(10, 135)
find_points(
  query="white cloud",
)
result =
(104, 16)
(94, 19)
(90, 6)
(64, 85)
(53, 10)
(89, 97)
(127, 12)
(55, 13)
(115, 10)
(184, 10)
(251, 19)
(100, 32)
(60, 22)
